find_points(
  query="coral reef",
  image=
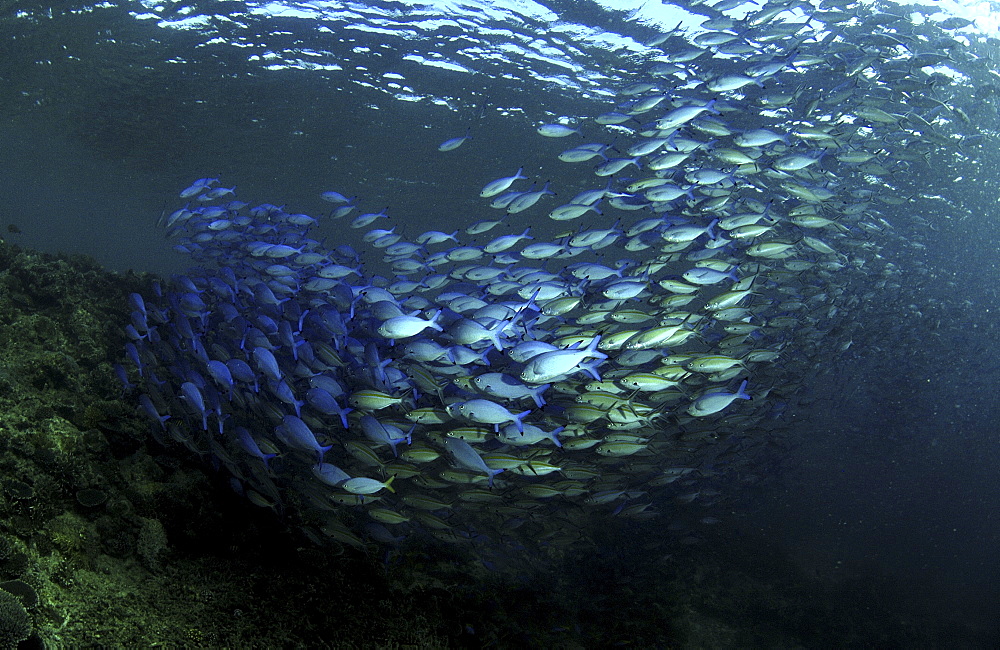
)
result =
(124, 543)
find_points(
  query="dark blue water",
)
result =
(880, 476)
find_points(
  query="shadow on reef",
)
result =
(108, 539)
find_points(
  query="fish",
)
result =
(465, 456)
(454, 143)
(525, 200)
(484, 411)
(549, 366)
(332, 196)
(365, 486)
(557, 130)
(583, 153)
(197, 187)
(501, 184)
(402, 327)
(751, 181)
(296, 433)
(712, 402)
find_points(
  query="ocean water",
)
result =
(128, 104)
(864, 482)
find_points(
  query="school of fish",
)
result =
(488, 383)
